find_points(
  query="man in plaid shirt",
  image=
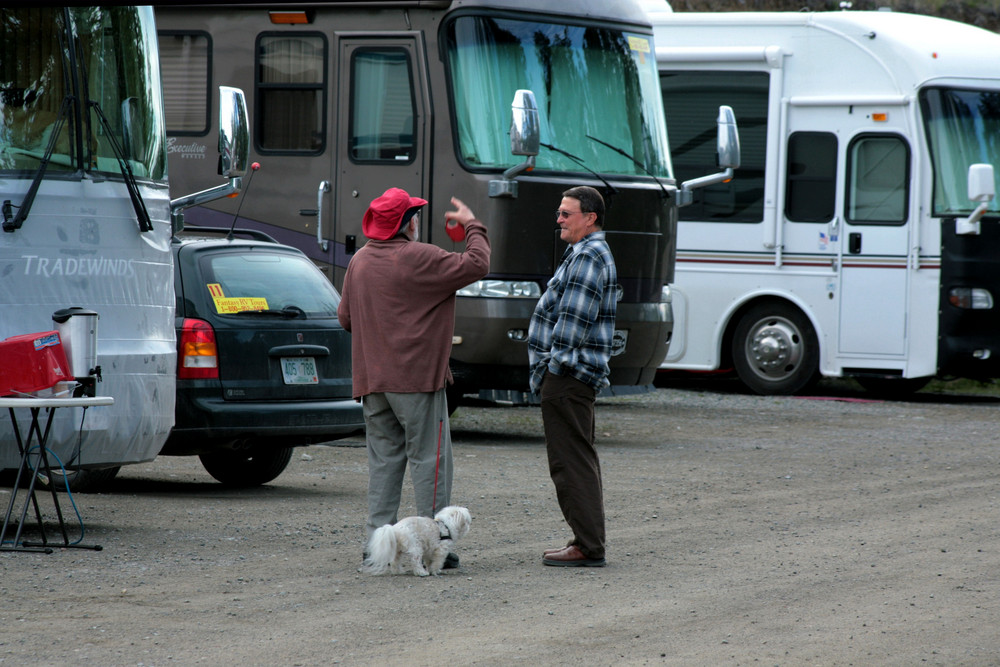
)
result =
(569, 345)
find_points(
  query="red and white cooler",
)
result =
(31, 363)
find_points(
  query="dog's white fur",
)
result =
(416, 544)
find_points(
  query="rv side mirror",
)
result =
(981, 187)
(234, 154)
(981, 190)
(728, 148)
(728, 152)
(524, 140)
(524, 132)
(234, 133)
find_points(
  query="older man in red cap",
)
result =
(398, 302)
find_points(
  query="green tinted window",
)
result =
(592, 84)
(62, 64)
(268, 280)
(963, 128)
(382, 106)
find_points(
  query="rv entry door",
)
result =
(382, 136)
(874, 245)
(847, 203)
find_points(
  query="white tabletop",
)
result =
(67, 402)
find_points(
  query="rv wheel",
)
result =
(79, 481)
(775, 350)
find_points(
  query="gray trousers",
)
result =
(406, 429)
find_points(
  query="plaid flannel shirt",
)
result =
(571, 330)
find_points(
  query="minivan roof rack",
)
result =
(253, 234)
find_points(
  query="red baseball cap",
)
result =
(385, 214)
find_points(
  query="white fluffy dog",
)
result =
(416, 544)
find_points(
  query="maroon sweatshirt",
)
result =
(398, 302)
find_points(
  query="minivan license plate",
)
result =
(299, 370)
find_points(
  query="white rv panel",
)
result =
(857, 129)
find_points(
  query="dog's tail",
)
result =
(381, 550)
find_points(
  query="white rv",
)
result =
(847, 243)
(86, 222)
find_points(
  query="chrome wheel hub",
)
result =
(775, 348)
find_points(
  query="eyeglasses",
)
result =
(566, 214)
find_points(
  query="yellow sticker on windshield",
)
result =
(225, 305)
(638, 44)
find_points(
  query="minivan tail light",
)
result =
(199, 357)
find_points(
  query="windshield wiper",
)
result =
(10, 225)
(636, 162)
(288, 312)
(141, 214)
(579, 161)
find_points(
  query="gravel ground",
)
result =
(742, 530)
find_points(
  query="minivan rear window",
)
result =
(260, 280)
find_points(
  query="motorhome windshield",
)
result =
(88, 62)
(963, 128)
(587, 80)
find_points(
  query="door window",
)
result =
(382, 107)
(878, 180)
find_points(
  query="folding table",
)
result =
(37, 438)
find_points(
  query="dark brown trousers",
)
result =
(568, 418)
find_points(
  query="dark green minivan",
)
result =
(263, 365)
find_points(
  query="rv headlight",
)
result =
(665, 295)
(970, 298)
(522, 289)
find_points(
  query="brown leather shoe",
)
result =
(571, 556)
(554, 551)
